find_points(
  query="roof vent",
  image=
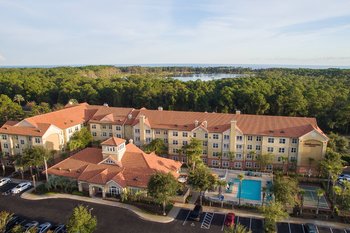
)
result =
(271, 131)
(129, 116)
(38, 130)
(185, 126)
(136, 179)
(69, 169)
(160, 108)
(282, 131)
(105, 105)
(71, 120)
(5, 128)
(238, 112)
(59, 168)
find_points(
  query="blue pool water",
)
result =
(251, 189)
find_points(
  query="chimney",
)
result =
(131, 141)
(205, 124)
(196, 123)
(238, 112)
(105, 105)
(160, 108)
(129, 116)
(233, 124)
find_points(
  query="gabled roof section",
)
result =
(113, 141)
(13, 129)
(114, 115)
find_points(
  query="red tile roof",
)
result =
(113, 141)
(38, 131)
(137, 167)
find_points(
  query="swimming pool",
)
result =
(251, 189)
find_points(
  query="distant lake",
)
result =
(206, 77)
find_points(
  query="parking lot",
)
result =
(6, 189)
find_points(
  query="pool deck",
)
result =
(231, 197)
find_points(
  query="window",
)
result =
(249, 147)
(238, 146)
(250, 138)
(226, 137)
(194, 135)
(184, 143)
(239, 138)
(215, 163)
(94, 134)
(281, 150)
(258, 138)
(249, 156)
(270, 140)
(205, 143)
(104, 134)
(175, 133)
(184, 159)
(37, 140)
(4, 137)
(294, 140)
(279, 159)
(184, 134)
(109, 126)
(157, 131)
(257, 147)
(225, 164)
(175, 142)
(270, 149)
(205, 135)
(215, 145)
(165, 132)
(22, 141)
(110, 134)
(226, 146)
(292, 159)
(256, 165)
(204, 160)
(238, 156)
(205, 152)
(6, 145)
(114, 191)
(93, 126)
(248, 164)
(118, 135)
(137, 130)
(282, 141)
(148, 131)
(175, 150)
(70, 130)
(118, 127)
(215, 154)
(215, 136)
(175, 158)
(269, 167)
(103, 127)
(15, 137)
(148, 140)
(237, 164)
(137, 139)
(165, 140)
(294, 150)
(17, 146)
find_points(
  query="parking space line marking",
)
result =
(290, 231)
(317, 229)
(331, 229)
(302, 226)
(223, 223)
(183, 224)
(250, 224)
(208, 217)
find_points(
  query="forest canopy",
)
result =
(323, 93)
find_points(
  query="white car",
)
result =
(21, 187)
(4, 181)
(44, 227)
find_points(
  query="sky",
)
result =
(70, 32)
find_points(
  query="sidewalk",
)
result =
(143, 215)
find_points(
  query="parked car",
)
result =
(230, 220)
(196, 213)
(44, 227)
(4, 181)
(30, 225)
(15, 220)
(21, 187)
(310, 228)
(61, 228)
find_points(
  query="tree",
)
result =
(157, 146)
(273, 212)
(286, 190)
(263, 160)
(201, 179)
(301, 197)
(238, 228)
(221, 183)
(320, 192)
(241, 178)
(17, 229)
(162, 187)
(337, 192)
(18, 98)
(81, 221)
(331, 166)
(2, 160)
(9, 110)
(193, 152)
(5, 217)
(73, 101)
(80, 139)
(284, 160)
(37, 156)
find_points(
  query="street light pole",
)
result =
(34, 183)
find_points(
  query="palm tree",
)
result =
(301, 193)
(264, 189)
(320, 192)
(18, 98)
(284, 160)
(220, 183)
(337, 192)
(238, 228)
(241, 178)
